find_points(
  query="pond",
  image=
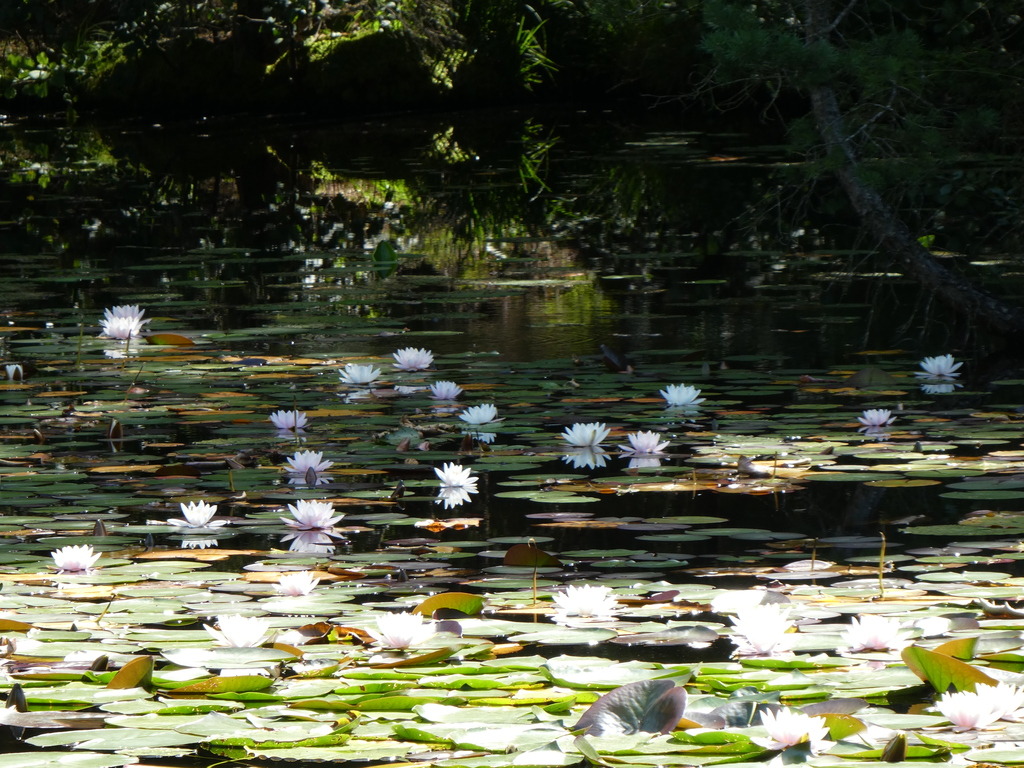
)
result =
(659, 404)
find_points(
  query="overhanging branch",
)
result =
(881, 221)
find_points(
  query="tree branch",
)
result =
(891, 232)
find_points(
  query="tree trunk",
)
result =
(891, 232)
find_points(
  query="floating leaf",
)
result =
(137, 673)
(232, 684)
(962, 648)
(651, 706)
(170, 340)
(943, 671)
(530, 556)
(471, 605)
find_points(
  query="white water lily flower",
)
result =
(788, 728)
(644, 443)
(289, 420)
(311, 515)
(941, 367)
(480, 414)
(585, 435)
(968, 710)
(875, 419)
(123, 322)
(681, 396)
(445, 390)
(763, 630)
(412, 359)
(401, 630)
(587, 601)
(198, 514)
(15, 372)
(297, 583)
(872, 632)
(74, 558)
(457, 483)
(454, 475)
(589, 457)
(239, 631)
(358, 375)
(303, 461)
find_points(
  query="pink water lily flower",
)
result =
(74, 558)
(644, 444)
(303, 461)
(297, 583)
(875, 419)
(972, 710)
(1004, 699)
(967, 710)
(311, 515)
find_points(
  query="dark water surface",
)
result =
(529, 236)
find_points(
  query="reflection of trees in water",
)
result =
(489, 196)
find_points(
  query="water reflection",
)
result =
(452, 497)
(471, 225)
(320, 542)
(940, 389)
(190, 543)
(590, 457)
(310, 478)
(644, 462)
